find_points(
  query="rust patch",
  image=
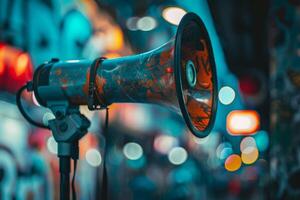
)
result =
(64, 81)
(85, 87)
(164, 57)
(100, 83)
(58, 72)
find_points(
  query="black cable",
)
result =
(104, 190)
(106, 121)
(64, 169)
(73, 180)
(20, 106)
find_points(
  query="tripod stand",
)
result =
(68, 127)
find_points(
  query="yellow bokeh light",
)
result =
(250, 155)
(115, 39)
(233, 163)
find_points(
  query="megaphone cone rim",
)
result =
(178, 75)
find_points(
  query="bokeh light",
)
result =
(247, 142)
(93, 157)
(173, 15)
(114, 40)
(224, 147)
(132, 151)
(262, 140)
(226, 95)
(250, 155)
(131, 23)
(242, 122)
(177, 155)
(164, 143)
(146, 23)
(52, 145)
(13, 128)
(233, 163)
(2, 65)
(225, 153)
(23, 62)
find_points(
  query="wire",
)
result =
(104, 191)
(106, 121)
(73, 180)
(21, 108)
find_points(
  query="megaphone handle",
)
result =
(93, 102)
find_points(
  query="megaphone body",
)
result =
(181, 74)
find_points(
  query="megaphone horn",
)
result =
(180, 74)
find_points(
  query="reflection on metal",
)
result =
(191, 73)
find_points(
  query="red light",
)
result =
(249, 85)
(169, 70)
(15, 68)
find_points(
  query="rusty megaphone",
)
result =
(180, 74)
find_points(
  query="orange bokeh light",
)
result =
(112, 55)
(2, 66)
(115, 39)
(22, 64)
(242, 122)
(233, 163)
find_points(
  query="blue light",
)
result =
(227, 151)
(133, 151)
(224, 150)
(262, 140)
(177, 155)
(226, 95)
(93, 157)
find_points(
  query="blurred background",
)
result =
(253, 151)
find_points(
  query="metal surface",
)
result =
(157, 76)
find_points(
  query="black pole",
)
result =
(64, 169)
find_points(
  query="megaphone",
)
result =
(180, 74)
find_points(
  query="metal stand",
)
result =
(68, 127)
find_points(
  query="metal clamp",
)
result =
(95, 103)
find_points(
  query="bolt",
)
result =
(63, 127)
